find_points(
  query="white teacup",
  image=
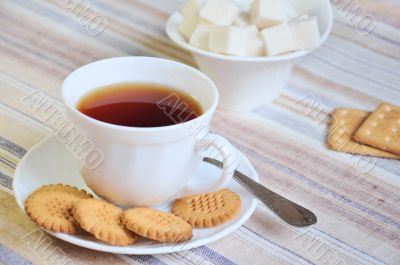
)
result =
(147, 166)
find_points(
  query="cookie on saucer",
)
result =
(103, 220)
(156, 225)
(208, 210)
(50, 207)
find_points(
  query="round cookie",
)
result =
(103, 220)
(208, 210)
(65, 188)
(50, 207)
(156, 225)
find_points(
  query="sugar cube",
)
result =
(192, 7)
(188, 25)
(201, 35)
(278, 39)
(254, 42)
(268, 13)
(219, 12)
(228, 40)
(305, 33)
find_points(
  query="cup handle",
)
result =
(229, 159)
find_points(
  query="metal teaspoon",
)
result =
(289, 211)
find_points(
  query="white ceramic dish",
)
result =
(245, 83)
(50, 162)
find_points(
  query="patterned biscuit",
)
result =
(344, 124)
(382, 129)
(103, 220)
(208, 210)
(156, 225)
(64, 188)
(50, 207)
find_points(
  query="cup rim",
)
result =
(174, 34)
(93, 121)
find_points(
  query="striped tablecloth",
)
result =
(357, 200)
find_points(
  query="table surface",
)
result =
(357, 200)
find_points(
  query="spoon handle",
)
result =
(289, 211)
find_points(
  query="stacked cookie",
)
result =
(66, 209)
(361, 132)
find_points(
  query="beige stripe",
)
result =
(314, 247)
(129, 30)
(313, 112)
(387, 11)
(7, 162)
(115, 28)
(20, 129)
(12, 95)
(263, 222)
(371, 42)
(9, 158)
(329, 88)
(124, 28)
(248, 250)
(71, 36)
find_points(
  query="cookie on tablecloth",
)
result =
(157, 225)
(382, 129)
(344, 124)
(208, 210)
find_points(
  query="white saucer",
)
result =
(50, 162)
